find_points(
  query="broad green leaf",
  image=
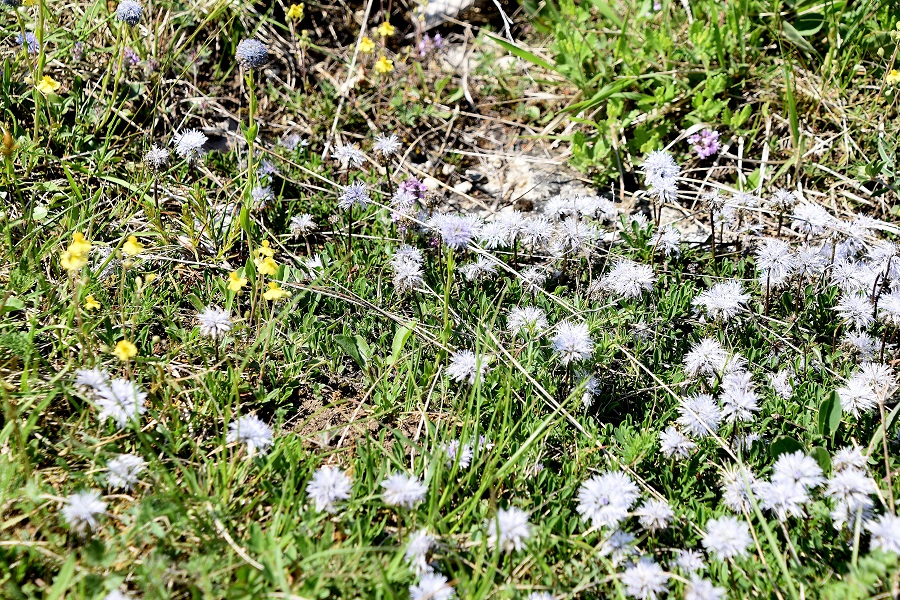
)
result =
(793, 36)
(830, 415)
(349, 344)
(784, 444)
(12, 303)
(399, 342)
(809, 24)
(822, 457)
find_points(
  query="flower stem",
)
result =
(39, 69)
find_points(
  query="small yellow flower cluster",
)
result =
(893, 77)
(275, 292)
(75, 256)
(384, 65)
(386, 29)
(295, 12)
(265, 265)
(236, 282)
(367, 46)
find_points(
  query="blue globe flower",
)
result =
(252, 54)
(129, 12)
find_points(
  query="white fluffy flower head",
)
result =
(573, 342)
(82, 509)
(605, 499)
(466, 366)
(214, 322)
(251, 431)
(403, 490)
(509, 529)
(328, 486)
(123, 470)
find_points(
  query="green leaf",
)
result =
(63, 580)
(198, 304)
(604, 93)
(522, 53)
(12, 303)
(879, 433)
(604, 8)
(350, 346)
(809, 24)
(830, 415)
(399, 342)
(794, 37)
(454, 96)
(822, 457)
(784, 444)
(741, 117)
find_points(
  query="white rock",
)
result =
(463, 187)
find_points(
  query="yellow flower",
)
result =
(90, 303)
(47, 85)
(366, 45)
(71, 261)
(893, 77)
(236, 282)
(385, 29)
(267, 266)
(264, 250)
(132, 246)
(75, 256)
(79, 245)
(125, 350)
(296, 11)
(384, 65)
(274, 292)
(149, 277)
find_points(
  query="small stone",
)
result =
(463, 187)
(474, 176)
(431, 184)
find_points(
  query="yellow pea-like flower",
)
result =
(132, 246)
(125, 350)
(275, 292)
(384, 65)
(386, 29)
(47, 85)
(296, 11)
(267, 266)
(366, 45)
(236, 282)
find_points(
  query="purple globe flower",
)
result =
(706, 143)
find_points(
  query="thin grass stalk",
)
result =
(887, 457)
(250, 137)
(445, 334)
(39, 68)
(120, 60)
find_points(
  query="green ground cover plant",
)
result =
(256, 342)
